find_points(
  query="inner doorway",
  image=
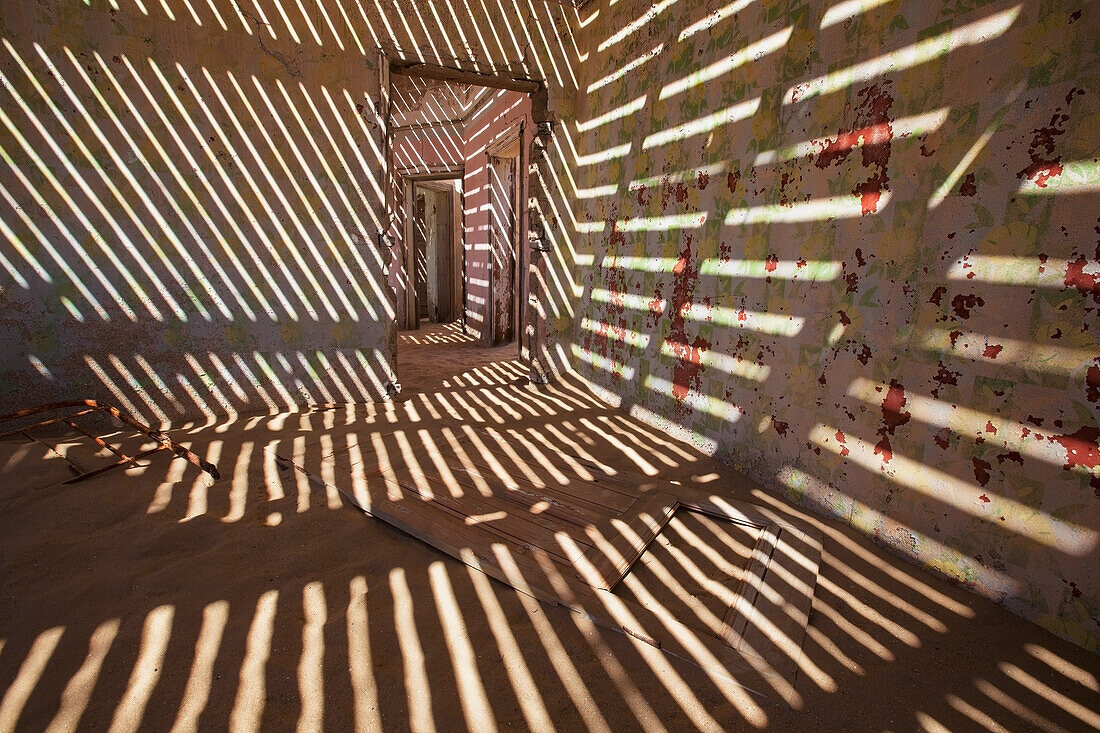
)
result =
(436, 255)
(445, 125)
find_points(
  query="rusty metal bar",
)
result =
(51, 406)
(42, 424)
(165, 441)
(99, 441)
(72, 466)
(121, 462)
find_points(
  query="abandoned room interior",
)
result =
(549, 364)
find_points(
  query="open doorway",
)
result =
(463, 149)
(435, 258)
(452, 137)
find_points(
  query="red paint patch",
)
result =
(656, 305)
(946, 376)
(868, 200)
(1012, 455)
(1085, 282)
(893, 417)
(892, 406)
(990, 428)
(963, 304)
(703, 181)
(780, 427)
(616, 236)
(954, 336)
(884, 449)
(942, 438)
(852, 279)
(937, 295)
(688, 368)
(770, 263)
(725, 252)
(1082, 447)
(873, 129)
(991, 351)
(985, 499)
(1044, 163)
(844, 319)
(840, 439)
(685, 375)
(731, 180)
(968, 188)
(864, 354)
(1092, 383)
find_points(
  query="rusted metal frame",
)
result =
(51, 406)
(98, 440)
(121, 462)
(163, 441)
(42, 424)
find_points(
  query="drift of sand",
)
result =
(157, 599)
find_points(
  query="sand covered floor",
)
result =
(158, 599)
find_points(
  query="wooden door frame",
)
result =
(454, 243)
(408, 183)
(535, 242)
(514, 134)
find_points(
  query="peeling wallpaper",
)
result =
(854, 249)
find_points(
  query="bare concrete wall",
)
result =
(852, 248)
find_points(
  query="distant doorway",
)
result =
(435, 254)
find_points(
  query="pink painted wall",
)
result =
(428, 150)
(192, 198)
(481, 132)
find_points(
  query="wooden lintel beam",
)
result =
(443, 73)
(428, 125)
